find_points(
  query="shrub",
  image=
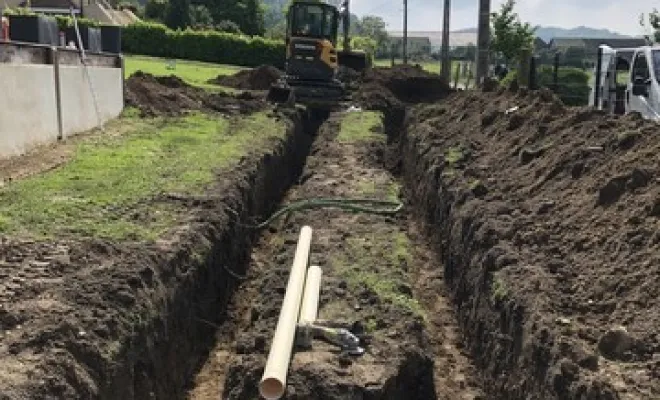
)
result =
(573, 83)
(229, 27)
(157, 40)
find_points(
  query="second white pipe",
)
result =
(310, 304)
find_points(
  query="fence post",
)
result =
(599, 71)
(532, 73)
(457, 76)
(55, 59)
(523, 71)
(555, 74)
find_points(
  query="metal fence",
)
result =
(570, 80)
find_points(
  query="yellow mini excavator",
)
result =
(312, 58)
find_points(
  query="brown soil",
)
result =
(547, 219)
(408, 83)
(171, 96)
(391, 90)
(401, 347)
(95, 319)
(260, 78)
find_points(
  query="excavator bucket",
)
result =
(279, 94)
(357, 61)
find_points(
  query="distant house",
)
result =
(456, 39)
(53, 7)
(417, 46)
(98, 10)
(590, 45)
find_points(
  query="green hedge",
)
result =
(573, 83)
(157, 40)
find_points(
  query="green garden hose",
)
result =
(369, 206)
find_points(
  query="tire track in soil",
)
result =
(341, 169)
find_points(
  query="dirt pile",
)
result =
(260, 78)
(548, 219)
(171, 96)
(408, 83)
(389, 90)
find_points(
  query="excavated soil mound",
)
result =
(389, 90)
(260, 78)
(408, 83)
(171, 96)
(550, 226)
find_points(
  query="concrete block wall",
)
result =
(28, 111)
(42, 103)
(77, 101)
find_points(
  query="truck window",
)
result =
(640, 67)
(656, 63)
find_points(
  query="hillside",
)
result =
(464, 37)
(547, 33)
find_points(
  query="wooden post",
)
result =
(483, 40)
(405, 31)
(55, 58)
(446, 61)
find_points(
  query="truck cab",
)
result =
(643, 86)
(629, 81)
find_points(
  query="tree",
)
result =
(653, 25)
(178, 14)
(375, 28)
(510, 36)
(200, 17)
(247, 14)
(156, 10)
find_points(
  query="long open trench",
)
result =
(378, 272)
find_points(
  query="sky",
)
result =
(621, 16)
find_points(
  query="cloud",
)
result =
(617, 15)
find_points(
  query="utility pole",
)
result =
(405, 31)
(446, 62)
(483, 40)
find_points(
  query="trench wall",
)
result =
(47, 95)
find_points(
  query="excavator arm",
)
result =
(355, 60)
(346, 24)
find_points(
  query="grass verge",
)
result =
(193, 72)
(109, 188)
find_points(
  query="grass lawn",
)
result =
(194, 72)
(110, 188)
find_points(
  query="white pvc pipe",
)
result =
(310, 303)
(273, 381)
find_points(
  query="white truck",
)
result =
(628, 80)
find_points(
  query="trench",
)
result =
(379, 271)
(160, 360)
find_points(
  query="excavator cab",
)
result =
(312, 59)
